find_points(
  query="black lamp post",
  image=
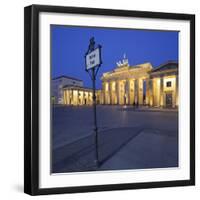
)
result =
(92, 64)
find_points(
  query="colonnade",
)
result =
(158, 92)
(124, 92)
(77, 97)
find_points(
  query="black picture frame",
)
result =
(31, 98)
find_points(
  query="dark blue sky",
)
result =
(69, 45)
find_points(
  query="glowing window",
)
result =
(168, 83)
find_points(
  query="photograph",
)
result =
(114, 99)
(109, 99)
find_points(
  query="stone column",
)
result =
(147, 92)
(130, 92)
(111, 92)
(72, 101)
(126, 92)
(161, 93)
(77, 97)
(104, 93)
(63, 96)
(150, 92)
(66, 96)
(136, 91)
(140, 91)
(117, 90)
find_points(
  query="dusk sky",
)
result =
(69, 45)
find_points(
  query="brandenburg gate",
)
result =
(141, 85)
(131, 85)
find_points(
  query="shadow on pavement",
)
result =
(79, 156)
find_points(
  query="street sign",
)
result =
(93, 63)
(93, 58)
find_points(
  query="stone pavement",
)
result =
(129, 138)
(120, 148)
(80, 155)
(150, 149)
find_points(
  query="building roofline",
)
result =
(163, 65)
(76, 86)
(69, 77)
(137, 66)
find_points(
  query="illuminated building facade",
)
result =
(141, 85)
(74, 95)
(70, 91)
(164, 86)
(57, 85)
(125, 85)
(78, 96)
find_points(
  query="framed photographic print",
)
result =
(109, 99)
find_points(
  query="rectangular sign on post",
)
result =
(93, 59)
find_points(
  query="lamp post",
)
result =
(92, 64)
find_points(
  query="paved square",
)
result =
(128, 138)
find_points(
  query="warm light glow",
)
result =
(75, 95)
(80, 98)
(90, 97)
(170, 88)
(173, 83)
(113, 86)
(156, 91)
(131, 91)
(122, 92)
(106, 87)
(140, 92)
